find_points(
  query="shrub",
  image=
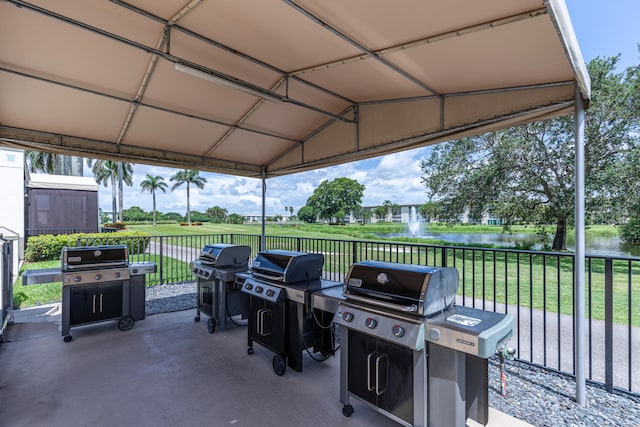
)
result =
(48, 247)
(630, 232)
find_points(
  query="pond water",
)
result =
(594, 245)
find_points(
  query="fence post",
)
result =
(354, 250)
(160, 267)
(608, 324)
(443, 256)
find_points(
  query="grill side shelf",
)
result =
(45, 275)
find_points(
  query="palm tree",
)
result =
(38, 161)
(188, 177)
(151, 184)
(54, 164)
(106, 172)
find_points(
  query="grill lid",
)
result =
(225, 255)
(423, 290)
(93, 257)
(288, 266)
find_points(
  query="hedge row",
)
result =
(46, 247)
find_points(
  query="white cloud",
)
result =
(395, 177)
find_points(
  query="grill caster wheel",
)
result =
(125, 323)
(347, 410)
(67, 338)
(196, 319)
(250, 350)
(211, 325)
(279, 365)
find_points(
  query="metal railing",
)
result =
(537, 288)
(6, 283)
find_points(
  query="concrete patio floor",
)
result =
(166, 371)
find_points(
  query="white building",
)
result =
(12, 196)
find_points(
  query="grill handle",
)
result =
(370, 387)
(279, 278)
(386, 370)
(397, 307)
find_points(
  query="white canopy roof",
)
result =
(265, 88)
(61, 182)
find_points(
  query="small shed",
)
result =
(60, 204)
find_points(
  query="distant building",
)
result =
(60, 204)
(253, 218)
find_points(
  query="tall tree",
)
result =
(527, 172)
(153, 184)
(106, 172)
(55, 164)
(335, 199)
(40, 161)
(188, 177)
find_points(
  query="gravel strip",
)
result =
(546, 398)
(540, 397)
(171, 297)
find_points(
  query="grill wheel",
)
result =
(125, 323)
(279, 365)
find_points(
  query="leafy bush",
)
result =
(630, 232)
(48, 247)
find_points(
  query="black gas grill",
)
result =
(408, 351)
(218, 296)
(280, 285)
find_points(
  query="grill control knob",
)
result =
(347, 317)
(98, 276)
(248, 286)
(371, 323)
(77, 278)
(117, 274)
(434, 334)
(270, 292)
(259, 289)
(397, 331)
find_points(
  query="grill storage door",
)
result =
(381, 373)
(91, 303)
(205, 296)
(266, 324)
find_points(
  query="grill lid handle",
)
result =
(398, 307)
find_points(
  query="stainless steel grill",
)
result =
(280, 286)
(98, 284)
(218, 296)
(408, 351)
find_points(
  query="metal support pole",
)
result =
(263, 242)
(580, 346)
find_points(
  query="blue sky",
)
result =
(603, 28)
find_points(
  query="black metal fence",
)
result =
(537, 288)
